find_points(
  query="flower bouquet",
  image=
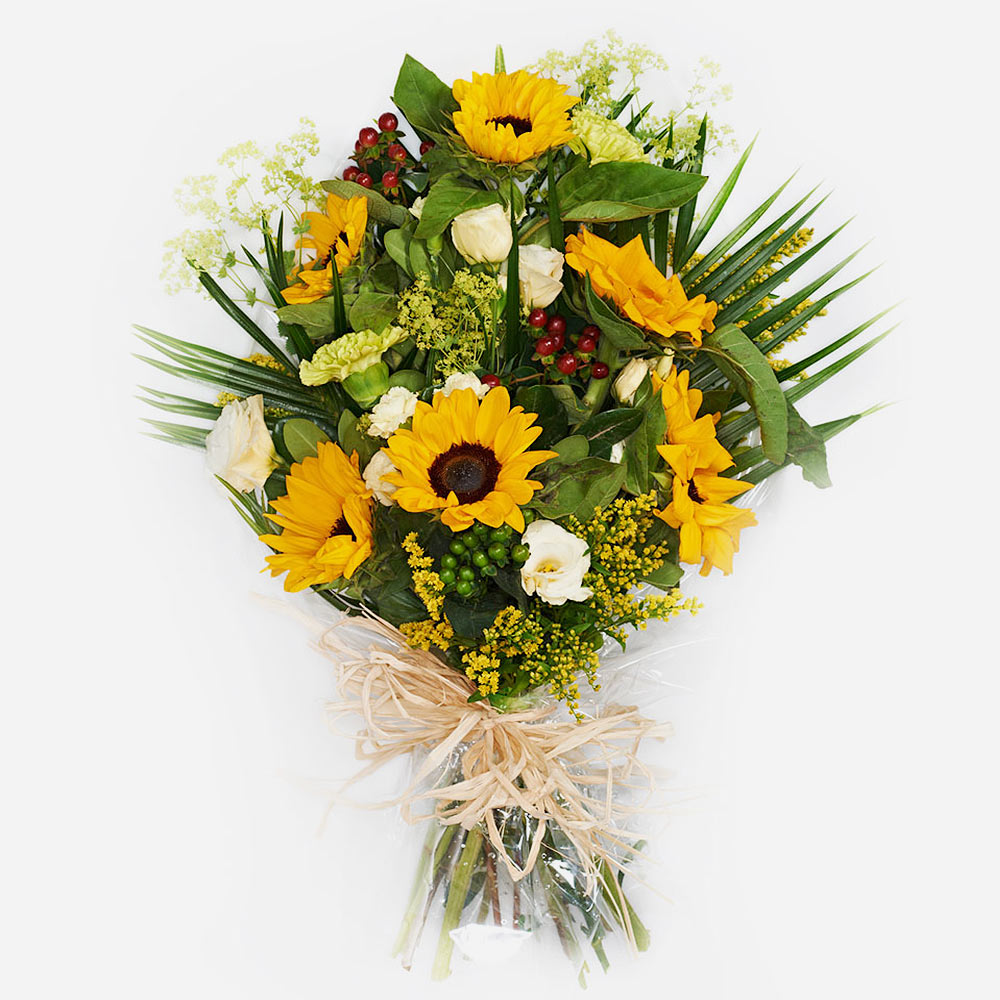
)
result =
(510, 383)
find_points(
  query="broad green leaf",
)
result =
(408, 379)
(316, 318)
(380, 209)
(591, 483)
(470, 619)
(301, 437)
(620, 332)
(552, 415)
(373, 311)
(807, 450)
(743, 364)
(612, 192)
(424, 98)
(446, 200)
(571, 449)
(609, 427)
(641, 456)
(666, 577)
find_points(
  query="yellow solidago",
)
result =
(482, 666)
(428, 634)
(427, 585)
(262, 361)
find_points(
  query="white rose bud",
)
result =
(629, 379)
(663, 364)
(417, 208)
(375, 471)
(539, 272)
(482, 235)
(395, 407)
(461, 380)
(556, 564)
(239, 448)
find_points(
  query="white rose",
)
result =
(417, 208)
(461, 380)
(374, 474)
(395, 407)
(239, 448)
(663, 364)
(482, 235)
(556, 564)
(618, 452)
(629, 379)
(539, 273)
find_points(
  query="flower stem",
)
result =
(420, 885)
(457, 892)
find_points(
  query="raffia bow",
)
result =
(557, 771)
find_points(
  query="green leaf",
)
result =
(571, 449)
(380, 209)
(641, 456)
(666, 577)
(743, 364)
(353, 440)
(300, 437)
(316, 318)
(447, 199)
(470, 619)
(409, 253)
(812, 383)
(552, 415)
(373, 311)
(807, 450)
(620, 332)
(424, 99)
(612, 192)
(409, 379)
(685, 216)
(498, 61)
(607, 428)
(400, 606)
(800, 366)
(591, 483)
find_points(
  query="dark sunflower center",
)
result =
(341, 527)
(694, 494)
(519, 125)
(469, 471)
(341, 237)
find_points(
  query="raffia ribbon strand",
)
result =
(557, 771)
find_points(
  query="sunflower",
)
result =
(633, 282)
(512, 117)
(334, 237)
(468, 459)
(325, 518)
(684, 427)
(709, 526)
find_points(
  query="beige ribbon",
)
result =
(556, 770)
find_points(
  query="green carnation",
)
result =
(348, 355)
(604, 140)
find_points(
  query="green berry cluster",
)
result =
(477, 555)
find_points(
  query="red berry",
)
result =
(599, 369)
(491, 380)
(350, 173)
(586, 345)
(396, 152)
(566, 363)
(358, 148)
(555, 324)
(368, 137)
(365, 180)
(425, 146)
(594, 332)
(538, 318)
(390, 179)
(388, 122)
(560, 339)
(546, 345)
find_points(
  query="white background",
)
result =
(165, 761)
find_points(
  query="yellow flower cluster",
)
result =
(620, 560)
(567, 654)
(427, 585)
(262, 361)
(428, 634)
(483, 668)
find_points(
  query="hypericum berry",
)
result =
(368, 137)
(390, 179)
(463, 588)
(594, 332)
(466, 573)
(560, 339)
(358, 148)
(480, 529)
(528, 515)
(546, 345)
(566, 363)
(365, 180)
(538, 318)
(457, 548)
(586, 345)
(501, 534)
(555, 324)
(497, 551)
(388, 122)
(449, 561)
(396, 152)
(480, 558)
(447, 576)
(350, 173)
(519, 553)
(491, 380)
(599, 369)
(425, 146)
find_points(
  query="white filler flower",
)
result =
(239, 448)
(482, 235)
(395, 407)
(375, 471)
(556, 564)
